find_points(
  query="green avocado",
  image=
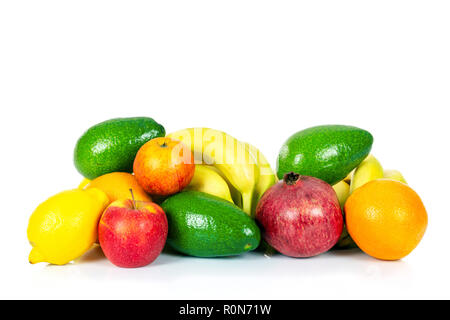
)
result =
(203, 225)
(328, 152)
(111, 146)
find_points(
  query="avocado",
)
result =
(112, 145)
(328, 152)
(204, 225)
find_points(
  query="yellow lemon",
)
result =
(64, 226)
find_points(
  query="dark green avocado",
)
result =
(111, 146)
(328, 152)
(203, 225)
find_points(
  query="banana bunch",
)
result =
(208, 179)
(368, 170)
(371, 169)
(244, 169)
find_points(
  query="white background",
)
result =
(259, 70)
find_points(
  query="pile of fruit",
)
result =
(207, 194)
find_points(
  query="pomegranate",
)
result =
(300, 216)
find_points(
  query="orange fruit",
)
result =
(164, 166)
(386, 219)
(117, 186)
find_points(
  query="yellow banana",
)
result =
(370, 169)
(394, 175)
(235, 194)
(342, 190)
(207, 180)
(227, 154)
(348, 178)
(267, 177)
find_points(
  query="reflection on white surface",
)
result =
(178, 276)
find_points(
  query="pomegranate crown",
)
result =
(291, 178)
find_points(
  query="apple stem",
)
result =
(291, 178)
(132, 197)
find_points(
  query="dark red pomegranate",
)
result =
(300, 216)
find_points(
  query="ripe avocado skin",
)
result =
(203, 225)
(111, 146)
(328, 152)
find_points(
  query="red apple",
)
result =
(132, 233)
(300, 216)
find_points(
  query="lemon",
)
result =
(64, 226)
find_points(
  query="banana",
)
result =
(348, 178)
(370, 169)
(227, 154)
(345, 241)
(235, 194)
(267, 177)
(394, 175)
(342, 190)
(207, 180)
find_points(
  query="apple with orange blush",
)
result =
(132, 233)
